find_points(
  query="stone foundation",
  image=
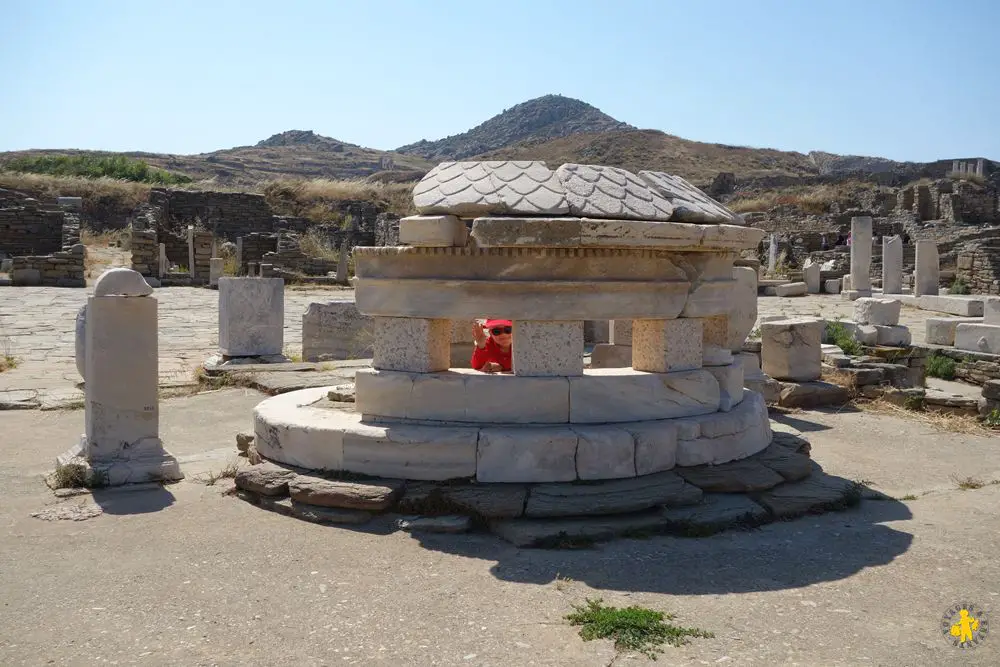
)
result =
(60, 269)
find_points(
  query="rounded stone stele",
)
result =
(120, 281)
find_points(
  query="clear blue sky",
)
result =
(904, 79)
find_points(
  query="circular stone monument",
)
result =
(548, 250)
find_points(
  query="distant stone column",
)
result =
(927, 274)
(861, 255)
(191, 250)
(772, 254)
(163, 264)
(216, 267)
(954, 166)
(892, 265)
(239, 255)
(979, 167)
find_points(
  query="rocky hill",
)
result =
(542, 118)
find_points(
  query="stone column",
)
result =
(979, 167)
(772, 254)
(954, 166)
(861, 255)
(239, 255)
(742, 306)
(191, 251)
(811, 274)
(163, 263)
(216, 266)
(411, 344)
(892, 265)
(251, 316)
(121, 444)
(926, 275)
(662, 346)
(547, 348)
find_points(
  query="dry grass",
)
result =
(130, 194)
(941, 421)
(120, 238)
(311, 198)
(316, 244)
(229, 472)
(972, 178)
(7, 359)
(815, 199)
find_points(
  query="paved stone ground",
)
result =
(183, 575)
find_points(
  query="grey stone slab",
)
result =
(280, 383)
(335, 330)
(468, 189)
(782, 456)
(689, 203)
(265, 478)
(812, 394)
(732, 477)
(492, 501)
(610, 192)
(714, 513)
(376, 495)
(570, 532)
(818, 492)
(610, 497)
(434, 524)
(328, 515)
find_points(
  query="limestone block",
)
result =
(894, 336)
(411, 452)
(6, 265)
(604, 452)
(122, 410)
(548, 349)
(730, 379)
(978, 338)
(707, 299)
(411, 344)
(526, 454)
(991, 310)
(743, 306)
(790, 349)
(811, 275)
(715, 332)
(927, 272)
(251, 316)
(432, 231)
(690, 204)
(81, 341)
(845, 283)
(610, 192)
(655, 445)
(962, 306)
(504, 232)
(611, 356)
(621, 332)
(462, 395)
(336, 330)
(861, 253)
(832, 286)
(728, 436)
(461, 355)
(941, 330)
(750, 363)
(882, 312)
(663, 346)
(216, 268)
(611, 395)
(469, 189)
(791, 289)
(715, 356)
(892, 265)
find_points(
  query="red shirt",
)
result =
(492, 352)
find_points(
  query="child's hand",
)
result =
(478, 335)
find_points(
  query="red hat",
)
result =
(498, 323)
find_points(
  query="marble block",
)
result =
(655, 445)
(811, 276)
(730, 379)
(831, 286)
(120, 281)
(610, 192)
(251, 316)
(892, 335)
(941, 330)
(978, 338)
(690, 204)
(991, 310)
(883, 312)
(606, 355)
(468, 189)
(790, 349)
(791, 289)
(337, 330)
(892, 265)
(743, 306)
(613, 395)
(527, 454)
(216, 268)
(548, 349)
(432, 231)
(927, 272)
(604, 452)
(861, 253)
(662, 346)
(411, 344)
(81, 341)
(620, 332)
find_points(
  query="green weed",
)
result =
(632, 628)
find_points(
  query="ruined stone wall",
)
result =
(387, 230)
(252, 248)
(202, 241)
(59, 269)
(227, 214)
(972, 204)
(70, 229)
(980, 269)
(30, 229)
(145, 252)
(176, 246)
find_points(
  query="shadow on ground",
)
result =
(126, 501)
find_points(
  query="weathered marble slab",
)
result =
(689, 203)
(468, 189)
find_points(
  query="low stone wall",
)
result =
(980, 269)
(60, 269)
(974, 367)
(30, 229)
(202, 241)
(227, 214)
(145, 253)
(387, 230)
(252, 248)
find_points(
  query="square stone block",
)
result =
(811, 276)
(411, 452)
(941, 330)
(892, 335)
(251, 316)
(790, 349)
(620, 332)
(613, 395)
(335, 330)
(540, 454)
(604, 452)
(662, 346)
(791, 289)
(655, 445)
(411, 344)
(605, 355)
(122, 404)
(432, 231)
(547, 349)
(882, 312)
(831, 286)
(216, 268)
(972, 337)
(991, 310)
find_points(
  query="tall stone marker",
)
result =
(927, 274)
(861, 255)
(121, 443)
(772, 254)
(892, 265)
(251, 316)
(811, 274)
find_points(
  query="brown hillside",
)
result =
(656, 151)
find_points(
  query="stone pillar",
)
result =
(548, 348)
(892, 265)
(663, 346)
(979, 167)
(954, 166)
(121, 444)
(927, 271)
(791, 349)
(742, 306)
(216, 266)
(251, 316)
(163, 263)
(191, 251)
(251, 269)
(861, 255)
(772, 254)
(411, 344)
(811, 275)
(617, 353)
(239, 256)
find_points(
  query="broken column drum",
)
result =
(546, 249)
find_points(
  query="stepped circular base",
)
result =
(303, 428)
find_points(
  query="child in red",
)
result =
(493, 352)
